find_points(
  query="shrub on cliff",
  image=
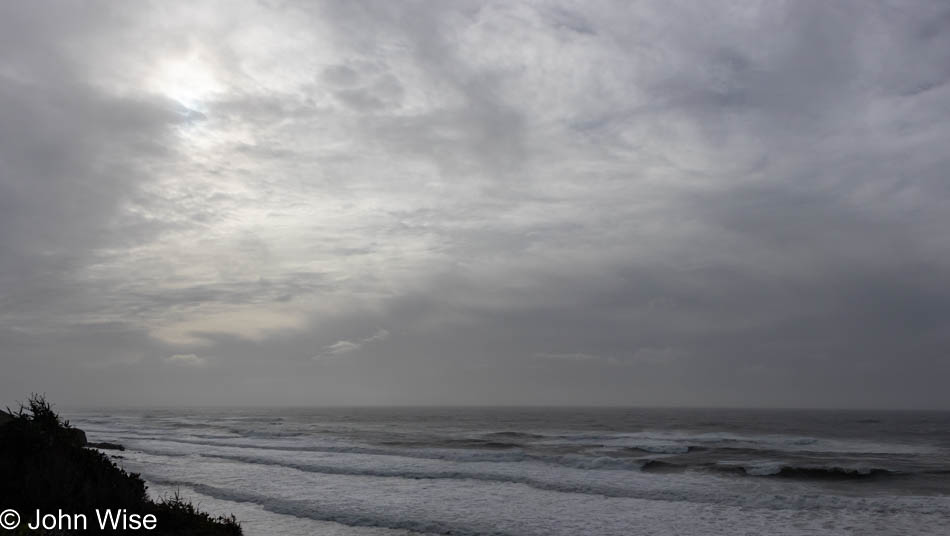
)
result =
(44, 465)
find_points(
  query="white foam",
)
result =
(556, 485)
(478, 507)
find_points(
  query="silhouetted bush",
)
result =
(44, 465)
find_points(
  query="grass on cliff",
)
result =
(44, 465)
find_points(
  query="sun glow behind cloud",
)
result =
(188, 80)
(274, 179)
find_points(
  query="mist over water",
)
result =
(370, 471)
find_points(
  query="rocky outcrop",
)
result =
(105, 446)
(76, 437)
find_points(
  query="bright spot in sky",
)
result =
(188, 80)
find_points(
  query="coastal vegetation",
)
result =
(46, 465)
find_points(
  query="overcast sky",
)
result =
(645, 203)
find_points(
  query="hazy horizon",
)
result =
(535, 406)
(625, 204)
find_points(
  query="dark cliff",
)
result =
(45, 465)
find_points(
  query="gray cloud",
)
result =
(648, 203)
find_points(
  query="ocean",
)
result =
(492, 471)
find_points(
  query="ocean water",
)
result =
(401, 471)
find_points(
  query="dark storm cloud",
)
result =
(368, 202)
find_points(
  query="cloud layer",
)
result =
(476, 203)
